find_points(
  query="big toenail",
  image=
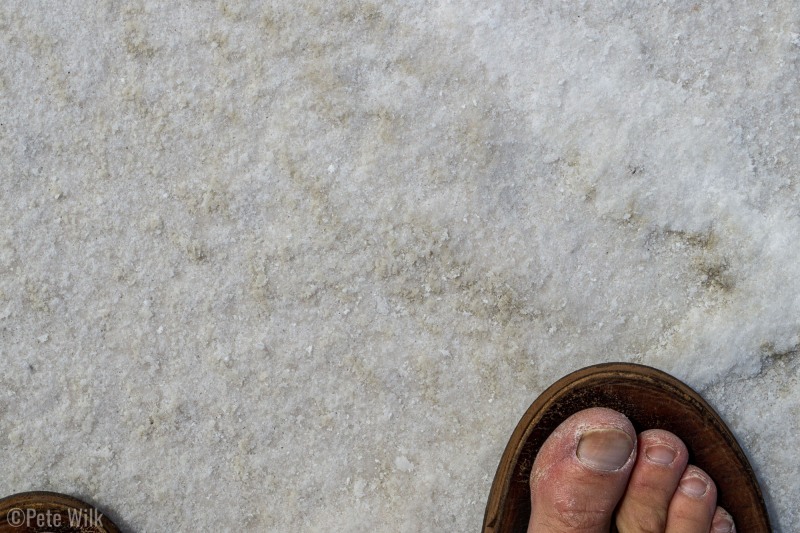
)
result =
(722, 524)
(694, 486)
(605, 449)
(661, 454)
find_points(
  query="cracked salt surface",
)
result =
(303, 266)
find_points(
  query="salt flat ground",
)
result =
(301, 266)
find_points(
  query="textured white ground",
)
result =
(301, 266)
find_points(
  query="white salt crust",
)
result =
(301, 266)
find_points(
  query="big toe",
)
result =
(581, 473)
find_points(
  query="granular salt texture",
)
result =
(302, 266)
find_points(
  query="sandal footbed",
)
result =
(44, 506)
(651, 399)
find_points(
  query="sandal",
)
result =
(651, 399)
(29, 512)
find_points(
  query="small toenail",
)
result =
(605, 449)
(722, 524)
(694, 486)
(661, 454)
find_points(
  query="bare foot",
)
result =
(593, 469)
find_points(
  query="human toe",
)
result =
(660, 463)
(694, 503)
(581, 472)
(722, 522)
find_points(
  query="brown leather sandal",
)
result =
(36, 512)
(651, 399)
